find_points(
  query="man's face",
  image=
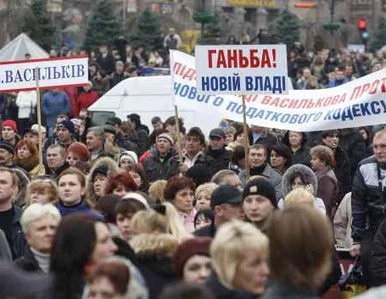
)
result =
(229, 212)
(158, 125)
(7, 186)
(257, 157)
(93, 142)
(119, 68)
(41, 233)
(103, 49)
(349, 71)
(216, 142)
(192, 144)
(339, 75)
(379, 148)
(163, 146)
(131, 123)
(5, 157)
(331, 140)
(306, 73)
(8, 134)
(64, 134)
(55, 158)
(31, 137)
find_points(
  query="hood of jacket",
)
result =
(307, 173)
(113, 169)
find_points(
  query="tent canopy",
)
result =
(17, 48)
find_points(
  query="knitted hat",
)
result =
(261, 187)
(10, 123)
(129, 154)
(167, 137)
(7, 146)
(187, 249)
(68, 124)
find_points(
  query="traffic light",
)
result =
(362, 24)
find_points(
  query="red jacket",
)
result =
(86, 99)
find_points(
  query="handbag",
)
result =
(352, 284)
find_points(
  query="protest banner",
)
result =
(42, 74)
(23, 74)
(241, 69)
(355, 104)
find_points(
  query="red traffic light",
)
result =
(362, 24)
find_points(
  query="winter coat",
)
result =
(28, 262)
(126, 143)
(342, 223)
(25, 100)
(272, 176)
(160, 170)
(206, 231)
(373, 293)
(355, 147)
(222, 292)
(142, 134)
(154, 263)
(342, 170)
(113, 169)
(18, 240)
(277, 290)
(221, 158)
(54, 103)
(302, 156)
(367, 200)
(28, 164)
(116, 78)
(328, 190)
(72, 93)
(106, 63)
(378, 256)
(5, 251)
(86, 99)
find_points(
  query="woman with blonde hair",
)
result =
(301, 244)
(156, 191)
(202, 195)
(162, 219)
(239, 254)
(42, 191)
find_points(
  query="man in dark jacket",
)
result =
(217, 150)
(9, 214)
(160, 165)
(120, 139)
(39, 223)
(354, 145)
(368, 202)
(260, 135)
(225, 201)
(141, 130)
(105, 59)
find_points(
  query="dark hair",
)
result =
(172, 122)
(135, 118)
(238, 154)
(330, 133)
(155, 119)
(285, 139)
(196, 131)
(176, 184)
(282, 150)
(106, 205)
(116, 272)
(123, 178)
(298, 174)
(138, 168)
(206, 213)
(71, 252)
(127, 206)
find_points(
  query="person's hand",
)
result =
(355, 250)
(310, 188)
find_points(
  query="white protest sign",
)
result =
(54, 72)
(360, 102)
(241, 69)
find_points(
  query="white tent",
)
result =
(17, 48)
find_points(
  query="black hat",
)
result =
(68, 124)
(7, 146)
(30, 130)
(225, 194)
(113, 121)
(103, 170)
(217, 133)
(199, 174)
(261, 187)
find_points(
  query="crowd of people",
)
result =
(121, 210)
